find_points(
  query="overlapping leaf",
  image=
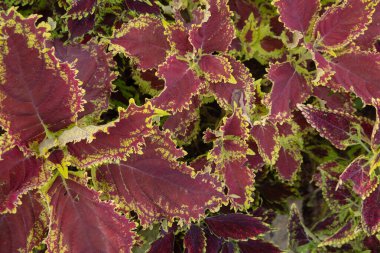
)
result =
(143, 39)
(345, 234)
(340, 24)
(258, 246)
(297, 15)
(289, 89)
(157, 186)
(165, 244)
(236, 226)
(297, 233)
(81, 222)
(195, 240)
(266, 136)
(367, 40)
(117, 141)
(371, 212)
(38, 92)
(25, 229)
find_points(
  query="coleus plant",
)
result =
(189, 126)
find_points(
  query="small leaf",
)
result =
(195, 240)
(258, 246)
(164, 244)
(371, 212)
(236, 226)
(216, 68)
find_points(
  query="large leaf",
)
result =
(337, 127)
(340, 24)
(297, 14)
(93, 65)
(37, 91)
(289, 89)
(358, 72)
(80, 222)
(156, 186)
(119, 138)
(236, 226)
(181, 84)
(25, 229)
(215, 68)
(217, 32)
(367, 40)
(18, 174)
(179, 38)
(143, 39)
(371, 212)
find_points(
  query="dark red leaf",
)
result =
(236, 226)
(358, 173)
(371, 212)
(195, 240)
(288, 163)
(266, 135)
(156, 186)
(81, 8)
(80, 221)
(259, 245)
(25, 229)
(289, 89)
(346, 233)
(297, 233)
(179, 38)
(38, 92)
(213, 243)
(181, 84)
(340, 24)
(142, 38)
(215, 68)
(297, 14)
(217, 32)
(164, 244)
(18, 174)
(367, 40)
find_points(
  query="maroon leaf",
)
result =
(358, 72)
(266, 135)
(334, 100)
(372, 243)
(340, 24)
(288, 163)
(25, 229)
(367, 40)
(179, 38)
(143, 7)
(258, 246)
(244, 9)
(346, 233)
(157, 186)
(371, 212)
(181, 84)
(297, 15)
(236, 226)
(228, 247)
(120, 138)
(358, 173)
(213, 243)
(217, 32)
(215, 68)
(79, 27)
(164, 244)
(375, 138)
(297, 233)
(195, 241)
(226, 93)
(38, 92)
(93, 65)
(289, 89)
(336, 126)
(18, 174)
(143, 39)
(80, 221)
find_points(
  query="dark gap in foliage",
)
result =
(257, 70)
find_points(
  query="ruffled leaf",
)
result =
(217, 32)
(157, 186)
(195, 240)
(179, 38)
(340, 24)
(345, 234)
(297, 15)
(216, 68)
(142, 38)
(80, 221)
(288, 163)
(37, 91)
(81, 8)
(181, 84)
(337, 127)
(93, 65)
(236, 226)
(371, 212)
(297, 234)
(18, 174)
(367, 40)
(358, 173)
(289, 89)
(119, 138)
(25, 229)
(266, 136)
(357, 72)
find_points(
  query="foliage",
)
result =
(189, 126)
